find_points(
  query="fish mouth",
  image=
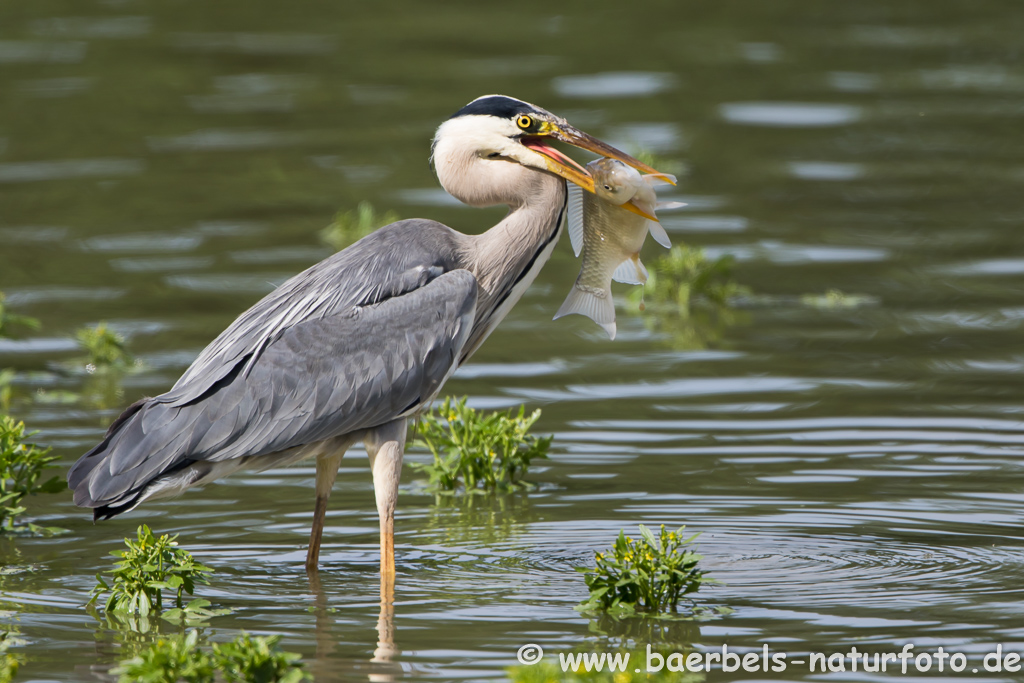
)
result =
(565, 167)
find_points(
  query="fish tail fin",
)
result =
(593, 303)
(631, 271)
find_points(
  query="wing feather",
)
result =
(319, 378)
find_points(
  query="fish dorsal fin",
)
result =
(666, 178)
(630, 272)
(574, 218)
(598, 306)
(659, 234)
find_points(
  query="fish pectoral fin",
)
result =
(631, 271)
(594, 303)
(574, 218)
(658, 233)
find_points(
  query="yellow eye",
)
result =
(524, 121)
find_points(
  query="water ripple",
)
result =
(790, 114)
(613, 84)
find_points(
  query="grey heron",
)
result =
(351, 348)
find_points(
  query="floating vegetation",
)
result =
(9, 320)
(104, 347)
(686, 275)
(478, 451)
(22, 467)
(650, 575)
(169, 660)
(349, 226)
(146, 569)
(245, 660)
(259, 660)
(690, 296)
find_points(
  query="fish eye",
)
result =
(608, 187)
(524, 121)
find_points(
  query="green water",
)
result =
(856, 471)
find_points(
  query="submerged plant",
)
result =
(105, 348)
(478, 450)
(686, 274)
(244, 660)
(649, 575)
(349, 226)
(146, 569)
(22, 467)
(10, 320)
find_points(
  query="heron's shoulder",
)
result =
(393, 261)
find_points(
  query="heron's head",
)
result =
(488, 152)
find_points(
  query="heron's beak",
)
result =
(562, 165)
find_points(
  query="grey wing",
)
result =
(396, 259)
(320, 378)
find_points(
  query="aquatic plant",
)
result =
(245, 660)
(478, 450)
(8, 666)
(104, 347)
(349, 226)
(9, 320)
(620, 666)
(686, 274)
(649, 575)
(9, 663)
(169, 660)
(6, 380)
(257, 659)
(146, 569)
(22, 467)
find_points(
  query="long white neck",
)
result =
(506, 259)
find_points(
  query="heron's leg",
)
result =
(327, 463)
(385, 445)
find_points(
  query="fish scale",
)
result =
(610, 237)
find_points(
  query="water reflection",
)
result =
(384, 666)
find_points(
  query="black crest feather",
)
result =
(496, 105)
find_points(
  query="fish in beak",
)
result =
(562, 165)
